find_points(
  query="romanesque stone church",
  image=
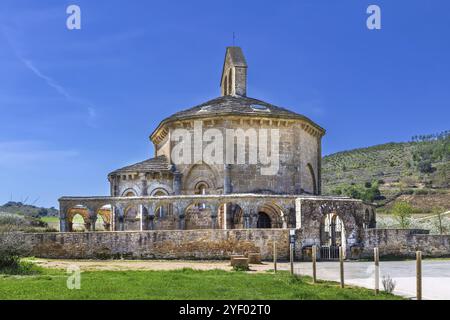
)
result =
(161, 193)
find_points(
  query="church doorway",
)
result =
(264, 221)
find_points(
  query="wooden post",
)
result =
(291, 247)
(341, 265)
(314, 258)
(376, 258)
(274, 256)
(419, 275)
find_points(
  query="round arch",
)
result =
(130, 192)
(200, 172)
(273, 212)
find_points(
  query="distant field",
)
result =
(177, 285)
(50, 219)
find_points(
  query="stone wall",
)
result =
(168, 244)
(405, 243)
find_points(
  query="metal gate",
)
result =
(329, 253)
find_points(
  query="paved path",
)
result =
(435, 282)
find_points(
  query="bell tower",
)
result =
(234, 73)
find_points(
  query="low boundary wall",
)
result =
(167, 244)
(215, 244)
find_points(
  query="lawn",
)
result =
(175, 285)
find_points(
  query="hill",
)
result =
(418, 170)
(28, 210)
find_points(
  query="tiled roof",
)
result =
(236, 105)
(151, 165)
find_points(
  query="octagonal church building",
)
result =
(233, 162)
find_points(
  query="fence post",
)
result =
(274, 256)
(341, 265)
(314, 257)
(419, 275)
(291, 249)
(376, 258)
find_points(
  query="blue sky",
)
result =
(74, 105)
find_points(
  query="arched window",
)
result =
(201, 188)
(230, 82)
(163, 210)
(225, 86)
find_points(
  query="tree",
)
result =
(439, 222)
(402, 212)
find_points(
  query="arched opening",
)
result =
(161, 210)
(264, 221)
(366, 221)
(332, 237)
(104, 217)
(230, 81)
(198, 216)
(129, 193)
(78, 219)
(201, 188)
(225, 87)
(274, 213)
(131, 219)
(77, 223)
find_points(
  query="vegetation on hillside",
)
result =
(385, 172)
(28, 210)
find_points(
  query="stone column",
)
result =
(92, 212)
(143, 185)
(254, 217)
(214, 208)
(181, 222)
(63, 223)
(246, 216)
(177, 183)
(227, 188)
(119, 218)
(151, 216)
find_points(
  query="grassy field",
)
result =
(179, 284)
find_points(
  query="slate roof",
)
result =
(236, 105)
(150, 165)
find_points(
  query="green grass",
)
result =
(50, 219)
(179, 284)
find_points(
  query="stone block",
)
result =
(254, 258)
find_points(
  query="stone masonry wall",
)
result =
(405, 243)
(168, 244)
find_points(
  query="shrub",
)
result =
(388, 284)
(241, 268)
(424, 166)
(12, 248)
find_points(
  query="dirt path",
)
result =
(124, 265)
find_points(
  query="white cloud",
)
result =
(52, 83)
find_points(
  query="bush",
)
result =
(388, 284)
(425, 166)
(241, 268)
(12, 248)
